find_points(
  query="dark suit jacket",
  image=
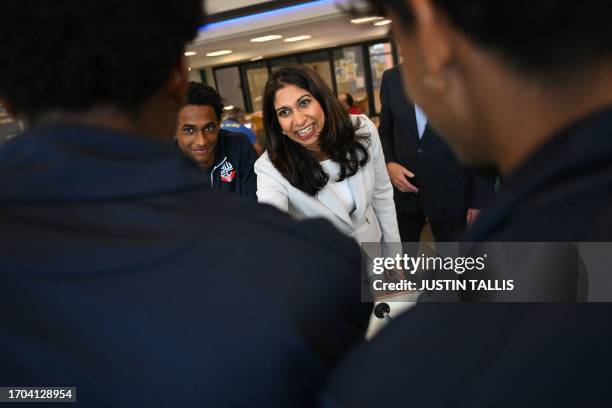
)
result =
(507, 355)
(123, 275)
(446, 188)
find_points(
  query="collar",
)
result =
(220, 154)
(219, 150)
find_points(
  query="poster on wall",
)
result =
(8, 126)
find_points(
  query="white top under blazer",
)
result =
(373, 218)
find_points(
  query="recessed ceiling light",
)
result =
(363, 20)
(266, 38)
(190, 53)
(218, 53)
(257, 58)
(382, 22)
(298, 38)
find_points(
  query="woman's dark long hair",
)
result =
(338, 138)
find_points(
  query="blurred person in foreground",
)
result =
(226, 157)
(118, 273)
(525, 87)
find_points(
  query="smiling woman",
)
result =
(301, 117)
(321, 162)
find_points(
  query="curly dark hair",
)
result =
(338, 138)
(72, 55)
(543, 38)
(200, 94)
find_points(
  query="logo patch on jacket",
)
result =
(228, 172)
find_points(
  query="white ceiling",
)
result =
(219, 6)
(323, 20)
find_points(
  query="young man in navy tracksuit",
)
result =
(227, 157)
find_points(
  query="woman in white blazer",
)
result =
(322, 163)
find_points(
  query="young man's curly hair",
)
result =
(204, 95)
(67, 55)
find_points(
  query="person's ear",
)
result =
(178, 83)
(435, 39)
(21, 122)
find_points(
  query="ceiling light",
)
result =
(366, 20)
(382, 23)
(298, 38)
(218, 53)
(266, 38)
(228, 107)
(190, 53)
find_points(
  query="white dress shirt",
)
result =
(421, 120)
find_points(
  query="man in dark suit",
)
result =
(119, 273)
(530, 93)
(428, 180)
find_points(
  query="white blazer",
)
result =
(374, 218)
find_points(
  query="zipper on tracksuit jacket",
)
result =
(212, 172)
